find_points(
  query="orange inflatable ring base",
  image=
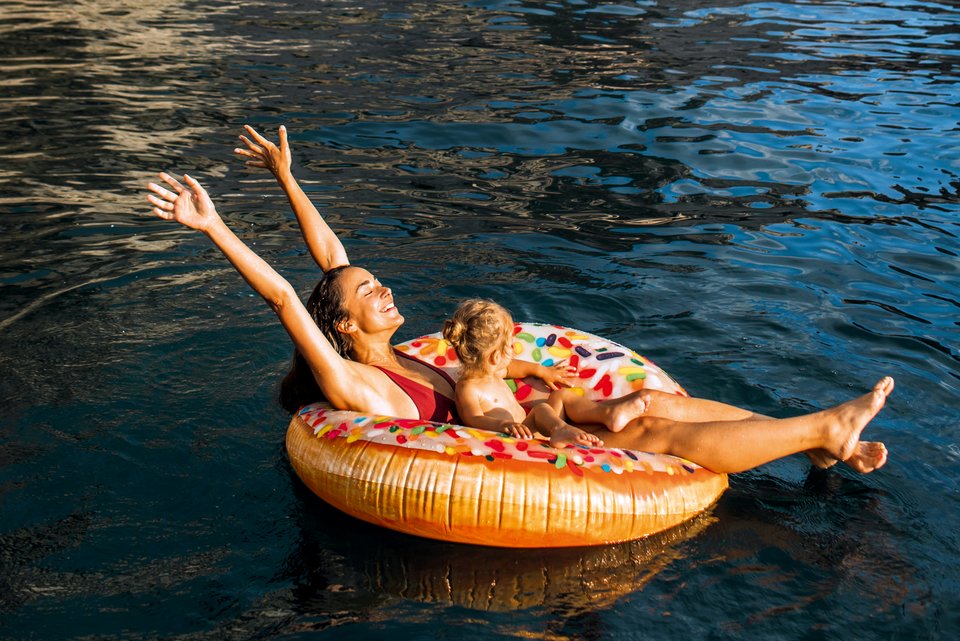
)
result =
(465, 485)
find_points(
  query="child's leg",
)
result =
(545, 419)
(614, 414)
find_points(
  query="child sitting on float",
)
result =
(481, 333)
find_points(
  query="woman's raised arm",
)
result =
(191, 206)
(324, 246)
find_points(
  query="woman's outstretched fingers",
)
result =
(170, 180)
(254, 149)
(194, 185)
(256, 136)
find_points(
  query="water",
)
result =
(762, 197)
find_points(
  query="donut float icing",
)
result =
(455, 483)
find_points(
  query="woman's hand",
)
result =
(263, 153)
(516, 430)
(190, 206)
(557, 376)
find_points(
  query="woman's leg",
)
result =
(867, 455)
(738, 445)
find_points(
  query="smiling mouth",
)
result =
(388, 308)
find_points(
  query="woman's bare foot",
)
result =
(626, 409)
(867, 457)
(845, 422)
(821, 459)
(570, 435)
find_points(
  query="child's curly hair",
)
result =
(478, 328)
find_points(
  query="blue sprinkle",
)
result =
(541, 342)
(605, 467)
(603, 357)
(689, 469)
(584, 353)
(547, 363)
(551, 339)
(630, 454)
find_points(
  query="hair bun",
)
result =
(453, 330)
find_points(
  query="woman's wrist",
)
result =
(285, 177)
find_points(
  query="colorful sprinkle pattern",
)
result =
(605, 370)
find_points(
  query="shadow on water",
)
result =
(497, 579)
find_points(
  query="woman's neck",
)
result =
(380, 353)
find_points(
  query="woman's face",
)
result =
(368, 303)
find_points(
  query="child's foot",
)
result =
(570, 435)
(867, 457)
(845, 422)
(626, 409)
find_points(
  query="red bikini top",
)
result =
(431, 404)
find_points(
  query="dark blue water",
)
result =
(762, 197)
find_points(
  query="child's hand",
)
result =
(559, 375)
(516, 430)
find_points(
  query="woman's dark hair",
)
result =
(325, 306)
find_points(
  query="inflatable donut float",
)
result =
(466, 485)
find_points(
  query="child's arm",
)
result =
(471, 411)
(555, 377)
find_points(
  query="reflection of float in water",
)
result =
(347, 565)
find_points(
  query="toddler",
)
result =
(481, 332)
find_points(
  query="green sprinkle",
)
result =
(420, 429)
(512, 384)
(636, 362)
(561, 461)
(524, 336)
(440, 429)
(636, 377)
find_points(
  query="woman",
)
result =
(343, 346)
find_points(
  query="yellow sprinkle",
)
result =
(441, 346)
(517, 348)
(560, 352)
(449, 450)
(626, 371)
(324, 430)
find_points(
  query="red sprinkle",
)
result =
(537, 454)
(495, 444)
(605, 385)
